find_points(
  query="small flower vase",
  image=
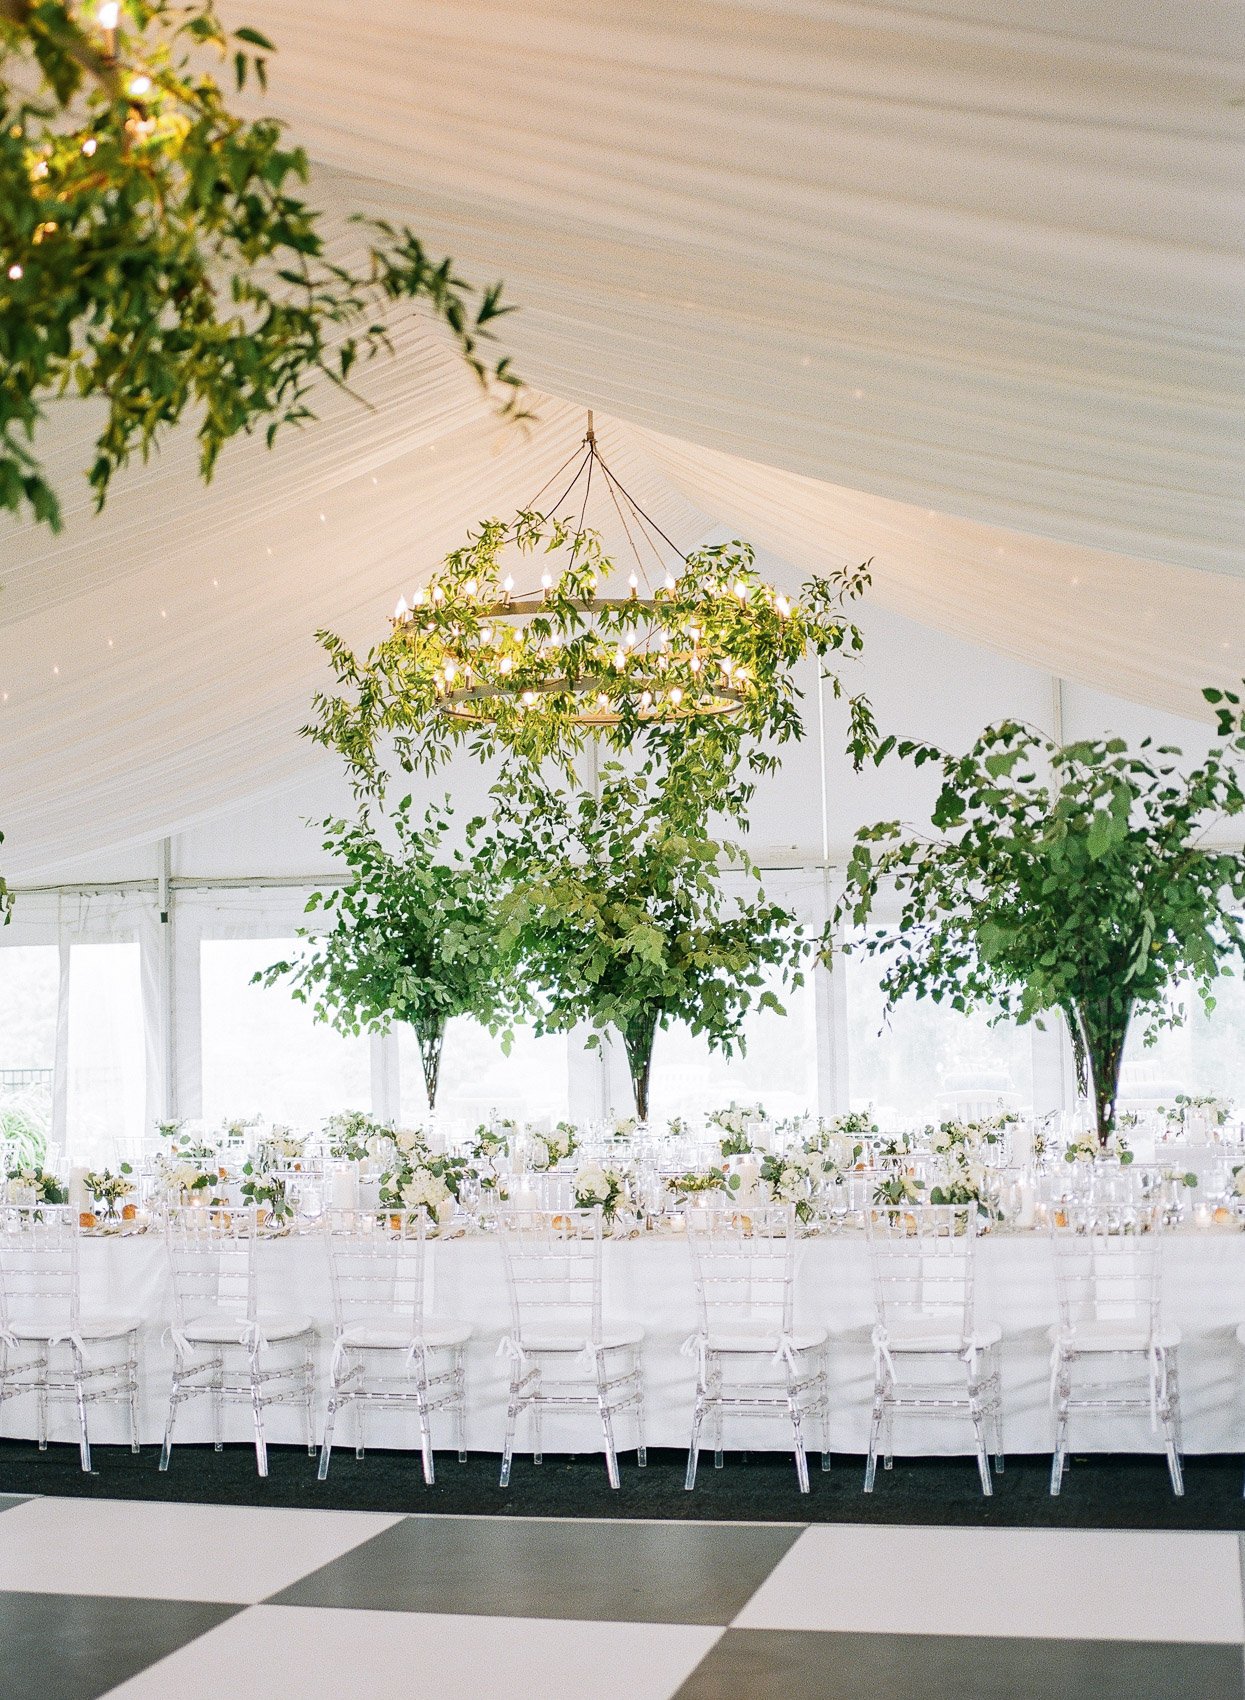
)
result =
(743, 1174)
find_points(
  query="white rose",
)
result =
(592, 1183)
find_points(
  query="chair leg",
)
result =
(326, 1444)
(1059, 1458)
(641, 1449)
(1169, 1410)
(309, 1406)
(79, 1385)
(823, 1409)
(718, 1459)
(512, 1417)
(607, 1424)
(983, 1457)
(801, 1457)
(460, 1405)
(535, 1417)
(360, 1430)
(875, 1430)
(257, 1413)
(425, 1423)
(693, 1448)
(175, 1399)
(131, 1378)
(42, 1402)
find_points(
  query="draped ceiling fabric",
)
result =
(957, 289)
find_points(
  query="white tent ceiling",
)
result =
(958, 291)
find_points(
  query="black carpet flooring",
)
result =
(1099, 1492)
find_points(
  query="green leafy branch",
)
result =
(155, 250)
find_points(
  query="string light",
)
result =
(140, 86)
(15, 271)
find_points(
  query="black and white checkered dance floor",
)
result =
(200, 1602)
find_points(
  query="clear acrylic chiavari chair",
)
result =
(563, 1354)
(743, 1265)
(1108, 1279)
(224, 1346)
(49, 1346)
(387, 1353)
(923, 1261)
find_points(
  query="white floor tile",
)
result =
(171, 1552)
(1076, 1584)
(302, 1653)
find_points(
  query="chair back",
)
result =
(553, 1273)
(211, 1256)
(743, 1264)
(922, 1258)
(1108, 1265)
(39, 1266)
(376, 1266)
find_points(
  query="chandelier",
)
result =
(681, 637)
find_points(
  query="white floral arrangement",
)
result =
(969, 1136)
(238, 1129)
(32, 1181)
(901, 1189)
(1086, 1149)
(427, 1191)
(735, 1125)
(736, 1118)
(678, 1127)
(1190, 1106)
(348, 1133)
(840, 1143)
(109, 1189)
(1238, 1180)
(550, 1149)
(265, 1191)
(407, 1141)
(595, 1184)
(793, 1180)
(281, 1145)
(963, 1182)
(179, 1174)
(624, 1127)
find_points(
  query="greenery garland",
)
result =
(155, 252)
(527, 681)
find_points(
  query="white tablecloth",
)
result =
(649, 1281)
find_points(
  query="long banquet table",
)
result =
(648, 1280)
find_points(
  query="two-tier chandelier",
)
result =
(663, 637)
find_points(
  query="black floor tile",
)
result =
(774, 1664)
(617, 1572)
(78, 1646)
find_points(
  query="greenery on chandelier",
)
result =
(699, 671)
(414, 937)
(156, 253)
(6, 898)
(616, 916)
(1073, 878)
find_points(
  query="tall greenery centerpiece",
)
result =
(156, 251)
(414, 937)
(616, 914)
(1074, 879)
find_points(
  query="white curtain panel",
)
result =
(960, 293)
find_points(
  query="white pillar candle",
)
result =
(77, 1189)
(345, 1192)
(1026, 1204)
